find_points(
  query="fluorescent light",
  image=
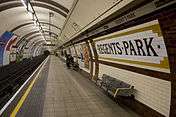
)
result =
(38, 23)
(34, 18)
(30, 14)
(43, 38)
(35, 23)
(24, 2)
(48, 42)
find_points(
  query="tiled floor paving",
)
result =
(68, 94)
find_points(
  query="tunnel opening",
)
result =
(47, 53)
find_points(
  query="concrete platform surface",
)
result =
(62, 92)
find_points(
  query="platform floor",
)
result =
(62, 92)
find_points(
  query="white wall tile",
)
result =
(153, 92)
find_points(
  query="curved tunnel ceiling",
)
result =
(31, 23)
(25, 37)
(18, 4)
(35, 37)
(50, 2)
(14, 17)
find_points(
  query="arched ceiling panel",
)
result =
(26, 29)
(29, 44)
(35, 37)
(63, 6)
(14, 17)
(66, 3)
(31, 23)
(47, 36)
(26, 36)
(19, 4)
(33, 41)
(36, 43)
(21, 29)
(23, 16)
(9, 18)
(38, 34)
(43, 14)
(56, 4)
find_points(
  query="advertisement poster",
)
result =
(86, 56)
(79, 51)
(6, 41)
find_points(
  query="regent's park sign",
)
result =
(136, 47)
(141, 46)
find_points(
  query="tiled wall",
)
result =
(152, 92)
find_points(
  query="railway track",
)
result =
(14, 75)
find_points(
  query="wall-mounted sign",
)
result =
(141, 46)
(79, 49)
(86, 56)
(7, 39)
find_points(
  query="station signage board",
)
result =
(140, 46)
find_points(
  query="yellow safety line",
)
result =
(20, 103)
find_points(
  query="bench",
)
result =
(115, 87)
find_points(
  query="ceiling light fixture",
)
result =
(24, 2)
(27, 4)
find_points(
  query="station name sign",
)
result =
(141, 46)
(136, 47)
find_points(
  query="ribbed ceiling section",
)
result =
(14, 18)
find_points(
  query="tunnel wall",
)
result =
(155, 86)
